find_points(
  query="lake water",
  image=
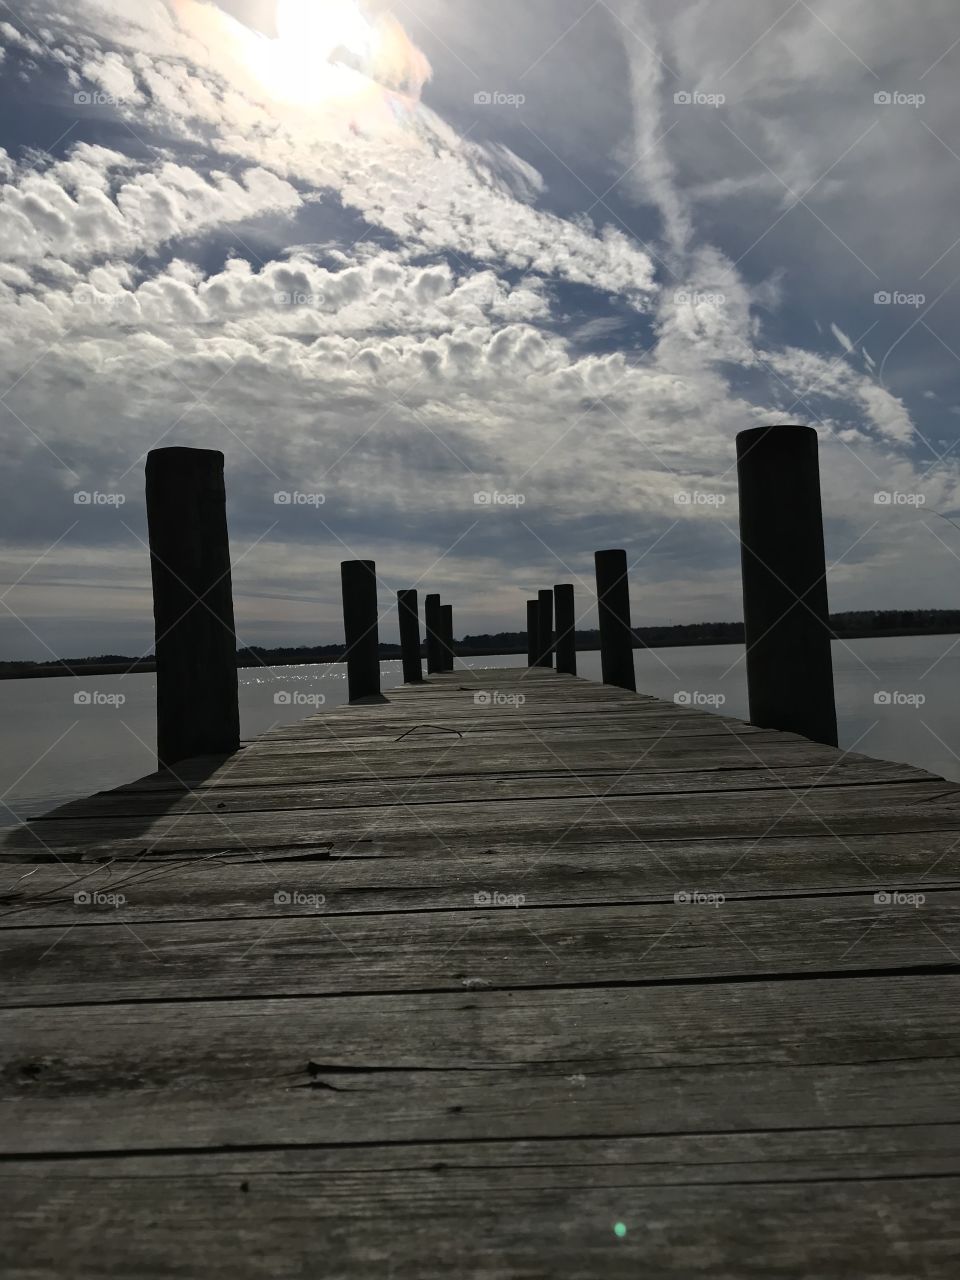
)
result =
(54, 747)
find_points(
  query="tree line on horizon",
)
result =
(859, 623)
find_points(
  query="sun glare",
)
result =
(320, 48)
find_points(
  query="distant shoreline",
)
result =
(44, 671)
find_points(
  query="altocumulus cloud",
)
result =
(328, 272)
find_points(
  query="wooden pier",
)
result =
(509, 975)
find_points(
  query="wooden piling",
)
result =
(566, 622)
(358, 579)
(545, 628)
(434, 626)
(409, 614)
(785, 605)
(533, 632)
(446, 621)
(616, 635)
(195, 638)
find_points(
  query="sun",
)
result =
(321, 54)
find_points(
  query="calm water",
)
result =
(54, 748)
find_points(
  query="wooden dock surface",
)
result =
(589, 986)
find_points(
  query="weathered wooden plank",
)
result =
(371, 792)
(426, 873)
(838, 810)
(302, 947)
(720, 1057)
(723, 1206)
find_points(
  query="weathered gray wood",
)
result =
(294, 947)
(718, 1205)
(613, 607)
(195, 640)
(785, 608)
(481, 1064)
(566, 629)
(400, 1073)
(360, 628)
(409, 615)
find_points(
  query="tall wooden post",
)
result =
(195, 639)
(533, 632)
(358, 579)
(409, 614)
(446, 620)
(616, 635)
(545, 628)
(434, 626)
(785, 607)
(566, 629)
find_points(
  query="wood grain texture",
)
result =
(403, 1080)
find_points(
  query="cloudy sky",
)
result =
(399, 254)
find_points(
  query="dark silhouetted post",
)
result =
(616, 636)
(545, 629)
(533, 632)
(359, 581)
(785, 608)
(566, 630)
(409, 614)
(434, 625)
(196, 644)
(446, 622)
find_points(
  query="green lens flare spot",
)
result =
(619, 1230)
